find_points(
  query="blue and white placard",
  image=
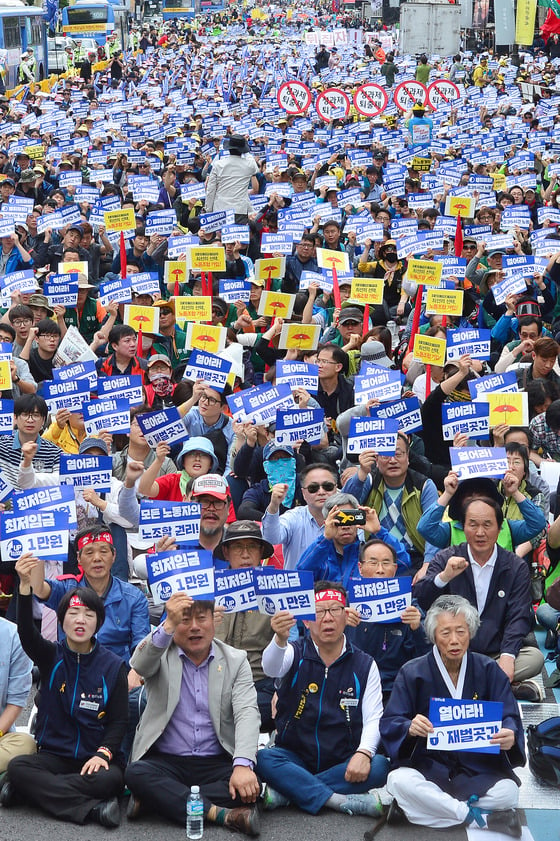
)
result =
(45, 533)
(216, 221)
(190, 572)
(65, 394)
(468, 462)
(122, 387)
(376, 382)
(235, 590)
(119, 289)
(472, 419)
(512, 285)
(78, 371)
(464, 725)
(62, 289)
(234, 289)
(380, 599)
(298, 375)
(475, 343)
(378, 434)
(209, 367)
(262, 402)
(107, 413)
(165, 425)
(85, 471)
(283, 590)
(294, 425)
(180, 520)
(6, 417)
(406, 412)
(55, 498)
(493, 382)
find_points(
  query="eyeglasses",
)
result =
(218, 504)
(325, 362)
(210, 400)
(36, 416)
(336, 612)
(374, 563)
(313, 487)
(305, 244)
(21, 322)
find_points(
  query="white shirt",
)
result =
(482, 575)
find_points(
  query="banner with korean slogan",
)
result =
(123, 387)
(444, 302)
(283, 590)
(86, 471)
(192, 308)
(212, 369)
(61, 290)
(380, 599)
(207, 258)
(464, 725)
(378, 434)
(175, 271)
(6, 417)
(276, 304)
(298, 375)
(45, 533)
(493, 382)
(164, 425)
(107, 413)
(525, 21)
(512, 409)
(270, 268)
(512, 285)
(190, 572)
(145, 283)
(74, 267)
(262, 402)
(328, 259)
(235, 590)
(376, 382)
(206, 337)
(78, 371)
(141, 318)
(424, 272)
(120, 220)
(406, 412)
(6, 488)
(20, 281)
(299, 336)
(234, 289)
(119, 289)
(470, 419)
(469, 462)
(463, 206)
(65, 394)
(56, 498)
(180, 520)
(5, 369)
(429, 349)
(471, 342)
(367, 290)
(280, 243)
(296, 425)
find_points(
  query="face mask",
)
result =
(162, 385)
(282, 471)
(391, 256)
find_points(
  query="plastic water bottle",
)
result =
(394, 330)
(195, 820)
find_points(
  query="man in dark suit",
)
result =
(201, 723)
(498, 584)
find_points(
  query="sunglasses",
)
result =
(313, 487)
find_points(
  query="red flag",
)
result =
(209, 285)
(335, 288)
(416, 317)
(139, 348)
(365, 326)
(551, 26)
(458, 237)
(122, 249)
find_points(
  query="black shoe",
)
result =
(107, 813)
(395, 815)
(505, 821)
(8, 795)
(551, 640)
(133, 809)
(245, 820)
(528, 690)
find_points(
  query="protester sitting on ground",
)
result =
(134, 447)
(196, 458)
(438, 788)
(15, 683)
(329, 703)
(78, 772)
(280, 467)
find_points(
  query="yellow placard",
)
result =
(206, 337)
(424, 272)
(191, 308)
(270, 267)
(500, 181)
(367, 290)
(525, 21)
(120, 220)
(299, 336)
(36, 152)
(511, 408)
(5, 375)
(208, 258)
(421, 164)
(85, 27)
(276, 304)
(175, 271)
(79, 266)
(463, 206)
(144, 318)
(328, 259)
(444, 302)
(429, 350)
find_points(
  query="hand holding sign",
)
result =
(420, 726)
(26, 565)
(505, 738)
(178, 607)
(282, 623)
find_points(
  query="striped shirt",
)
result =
(46, 459)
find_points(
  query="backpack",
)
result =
(543, 747)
